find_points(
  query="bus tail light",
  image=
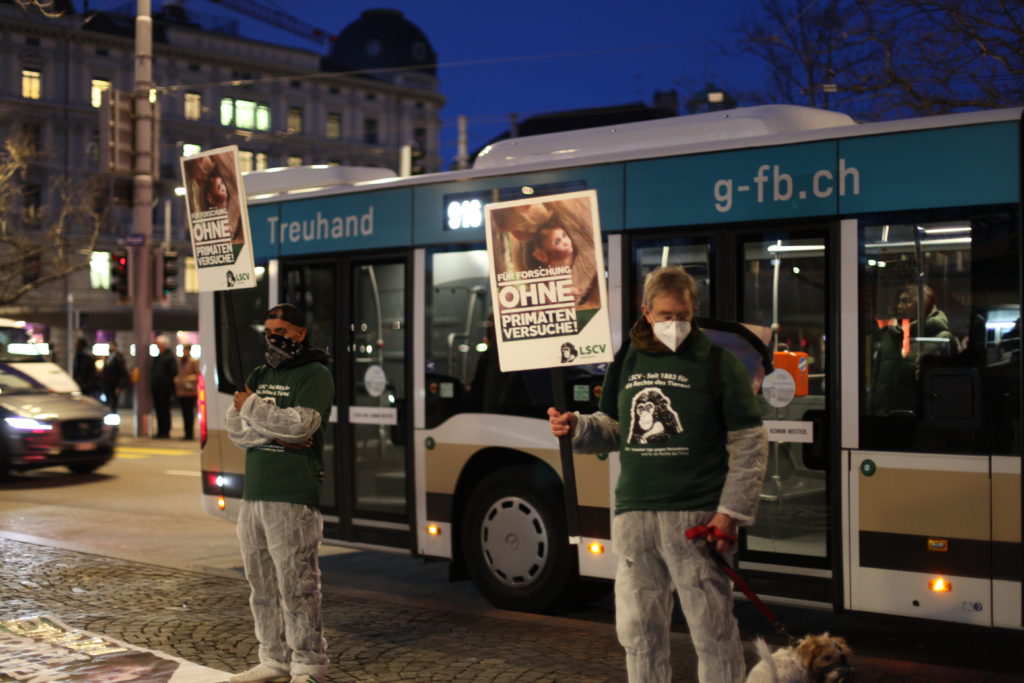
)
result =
(201, 405)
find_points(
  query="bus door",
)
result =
(359, 310)
(772, 281)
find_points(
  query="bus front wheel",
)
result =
(515, 542)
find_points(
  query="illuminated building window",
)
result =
(99, 86)
(189, 149)
(31, 84)
(245, 161)
(294, 120)
(333, 131)
(244, 114)
(262, 117)
(193, 106)
(251, 161)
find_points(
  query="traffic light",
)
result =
(169, 272)
(119, 274)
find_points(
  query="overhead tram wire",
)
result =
(435, 65)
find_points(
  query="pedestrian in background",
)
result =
(114, 376)
(280, 419)
(693, 453)
(186, 388)
(161, 382)
(83, 369)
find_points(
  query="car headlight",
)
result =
(112, 420)
(28, 424)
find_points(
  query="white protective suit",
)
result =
(655, 556)
(280, 544)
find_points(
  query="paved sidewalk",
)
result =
(204, 618)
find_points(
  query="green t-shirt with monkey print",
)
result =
(673, 424)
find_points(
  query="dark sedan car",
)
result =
(41, 428)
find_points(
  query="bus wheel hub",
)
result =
(514, 539)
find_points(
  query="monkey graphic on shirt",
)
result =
(652, 418)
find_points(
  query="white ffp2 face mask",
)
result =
(671, 333)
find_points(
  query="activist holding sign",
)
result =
(693, 451)
(280, 419)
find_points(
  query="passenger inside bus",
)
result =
(902, 345)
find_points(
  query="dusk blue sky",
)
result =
(534, 56)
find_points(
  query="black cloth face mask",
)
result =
(280, 349)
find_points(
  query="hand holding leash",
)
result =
(711, 534)
(720, 531)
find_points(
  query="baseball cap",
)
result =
(288, 313)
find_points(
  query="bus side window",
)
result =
(458, 308)
(937, 297)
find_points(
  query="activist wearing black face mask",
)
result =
(283, 352)
(281, 349)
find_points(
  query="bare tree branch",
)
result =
(46, 7)
(41, 243)
(877, 58)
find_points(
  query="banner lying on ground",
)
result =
(44, 650)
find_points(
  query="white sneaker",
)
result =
(262, 673)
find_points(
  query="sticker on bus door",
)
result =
(547, 282)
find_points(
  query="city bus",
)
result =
(894, 474)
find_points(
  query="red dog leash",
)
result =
(701, 531)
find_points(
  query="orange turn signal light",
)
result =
(433, 530)
(596, 548)
(940, 585)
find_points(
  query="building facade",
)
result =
(358, 102)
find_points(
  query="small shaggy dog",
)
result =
(814, 659)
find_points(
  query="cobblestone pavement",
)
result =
(204, 618)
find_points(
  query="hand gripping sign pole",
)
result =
(572, 508)
(549, 298)
(218, 221)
